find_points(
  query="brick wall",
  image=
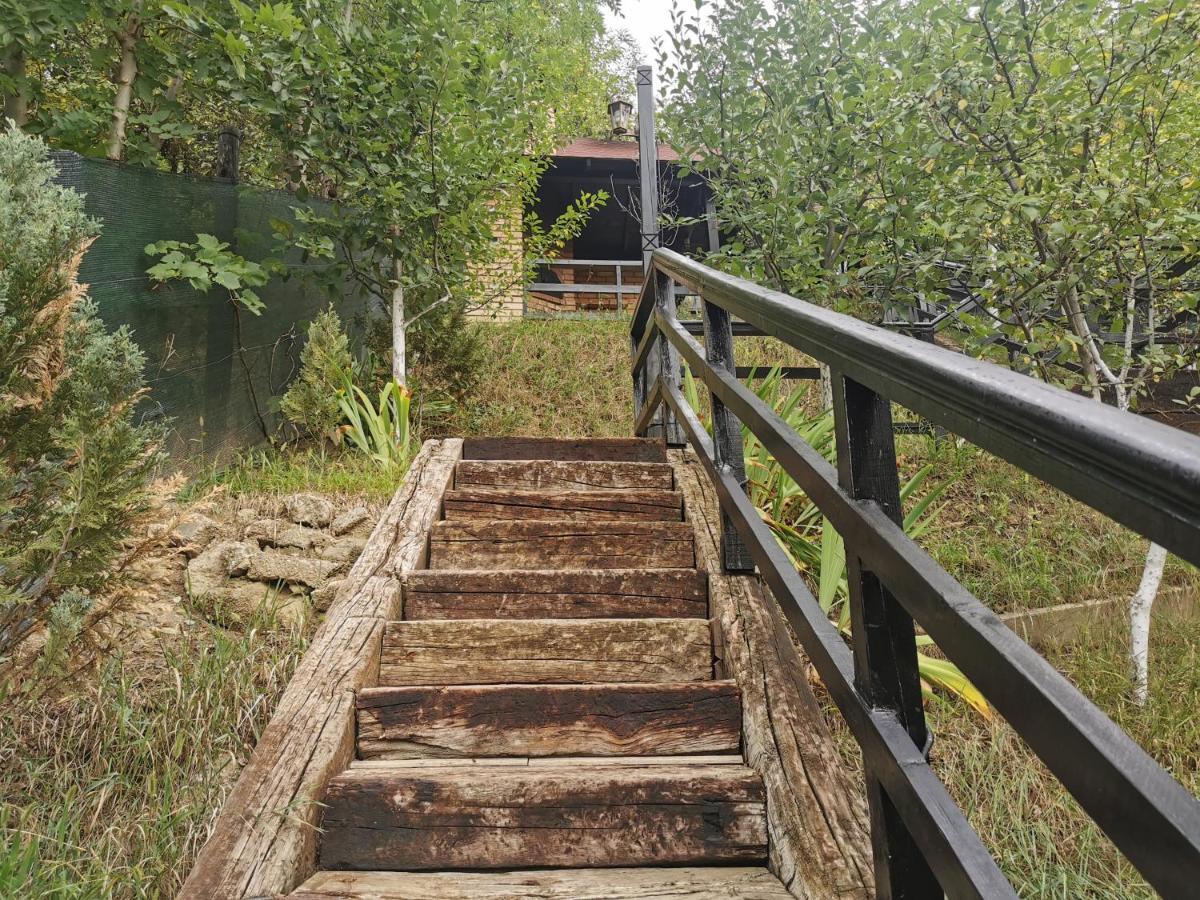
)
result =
(501, 280)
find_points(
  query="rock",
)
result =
(237, 558)
(324, 596)
(309, 509)
(349, 520)
(195, 530)
(278, 533)
(344, 549)
(156, 531)
(276, 566)
(245, 515)
(234, 599)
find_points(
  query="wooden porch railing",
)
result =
(1141, 474)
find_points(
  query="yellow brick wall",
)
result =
(501, 280)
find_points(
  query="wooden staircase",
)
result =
(546, 721)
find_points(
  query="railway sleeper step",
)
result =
(549, 720)
(545, 651)
(509, 503)
(556, 594)
(381, 815)
(558, 544)
(566, 449)
(555, 475)
(648, 883)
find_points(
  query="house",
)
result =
(600, 272)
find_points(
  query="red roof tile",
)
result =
(590, 148)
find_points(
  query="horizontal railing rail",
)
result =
(1140, 473)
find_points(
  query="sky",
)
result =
(646, 19)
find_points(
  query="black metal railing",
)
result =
(1139, 473)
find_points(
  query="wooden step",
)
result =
(549, 720)
(493, 817)
(545, 651)
(557, 594)
(507, 503)
(555, 544)
(572, 449)
(647, 883)
(551, 475)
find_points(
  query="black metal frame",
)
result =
(1140, 473)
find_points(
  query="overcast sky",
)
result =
(646, 20)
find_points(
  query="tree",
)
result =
(73, 459)
(1030, 158)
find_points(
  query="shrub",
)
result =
(311, 402)
(73, 460)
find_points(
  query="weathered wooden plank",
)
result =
(695, 883)
(470, 544)
(573, 449)
(264, 840)
(567, 651)
(379, 817)
(549, 720)
(553, 475)
(557, 594)
(506, 503)
(815, 813)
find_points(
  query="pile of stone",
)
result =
(301, 548)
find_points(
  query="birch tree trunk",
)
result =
(1140, 606)
(16, 104)
(127, 39)
(399, 364)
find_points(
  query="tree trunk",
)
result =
(398, 324)
(1139, 621)
(127, 39)
(16, 104)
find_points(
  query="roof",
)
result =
(590, 148)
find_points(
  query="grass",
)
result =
(110, 793)
(289, 470)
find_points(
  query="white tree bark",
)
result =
(1140, 607)
(399, 363)
(127, 39)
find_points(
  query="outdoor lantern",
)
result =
(621, 114)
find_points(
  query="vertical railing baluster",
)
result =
(727, 430)
(883, 636)
(664, 361)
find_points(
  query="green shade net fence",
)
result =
(197, 379)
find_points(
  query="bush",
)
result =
(311, 402)
(73, 461)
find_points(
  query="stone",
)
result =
(195, 530)
(245, 515)
(349, 520)
(156, 531)
(344, 549)
(280, 533)
(309, 509)
(324, 596)
(237, 558)
(233, 599)
(277, 566)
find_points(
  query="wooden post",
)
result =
(885, 644)
(229, 145)
(727, 430)
(648, 163)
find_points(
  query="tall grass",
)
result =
(110, 792)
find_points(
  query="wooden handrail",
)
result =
(1138, 472)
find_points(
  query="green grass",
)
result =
(109, 793)
(288, 470)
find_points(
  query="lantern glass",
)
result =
(620, 112)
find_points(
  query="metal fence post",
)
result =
(727, 430)
(884, 640)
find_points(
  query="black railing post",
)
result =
(727, 430)
(883, 636)
(664, 360)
